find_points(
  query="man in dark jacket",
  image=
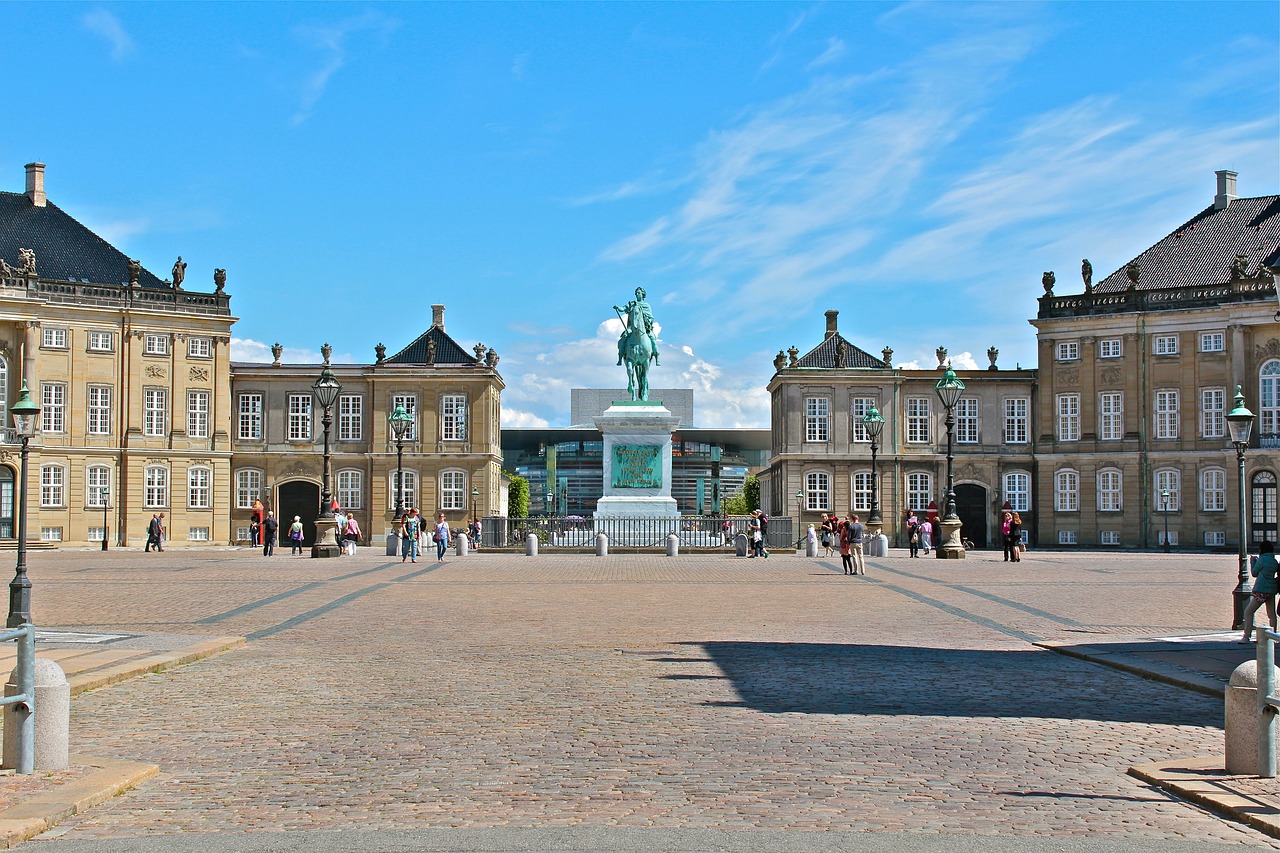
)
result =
(269, 528)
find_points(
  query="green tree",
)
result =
(744, 500)
(518, 497)
(751, 491)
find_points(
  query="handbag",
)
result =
(435, 537)
(1022, 546)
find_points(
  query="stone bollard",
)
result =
(393, 544)
(461, 545)
(1242, 720)
(602, 545)
(810, 548)
(740, 545)
(673, 545)
(53, 718)
(877, 546)
(531, 545)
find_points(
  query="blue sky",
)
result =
(915, 166)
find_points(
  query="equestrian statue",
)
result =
(637, 345)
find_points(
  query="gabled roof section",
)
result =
(827, 354)
(1202, 250)
(447, 350)
(65, 249)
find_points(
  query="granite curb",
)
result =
(43, 811)
(1141, 666)
(92, 679)
(1203, 781)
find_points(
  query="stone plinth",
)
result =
(637, 461)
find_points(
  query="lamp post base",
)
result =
(1239, 601)
(951, 547)
(326, 538)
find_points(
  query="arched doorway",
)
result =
(971, 506)
(6, 503)
(1263, 516)
(300, 498)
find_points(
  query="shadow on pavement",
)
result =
(830, 678)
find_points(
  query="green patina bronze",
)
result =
(637, 466)
(637, 345)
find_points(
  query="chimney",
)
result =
(35, 184)
(1226, 189)
(831, 323)
(437, 316)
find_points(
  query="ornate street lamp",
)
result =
(475, 496)
(873, 422)
(1164, 507)
(400, 421)
(799, 515)
(949, 389)
(1240, 423)
(25, 412)
(326, 390)
(105, 536)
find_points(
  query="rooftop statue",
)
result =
(1086, 273)
(179, 272)
(637, 345)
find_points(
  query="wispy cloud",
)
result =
(836, 48)
(332, 42)
(520, 67)
(103, 23)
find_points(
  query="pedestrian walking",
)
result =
(353, 535)
(441, 538)
(913, 533)
(1264, 588)
(926, 535)
(340, 530)
(410, 528)
(295, 536)
(269, 528)
(828, 533)
(153, 533)
(846, 554)
(855, 533)
(255, 523)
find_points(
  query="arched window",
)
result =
(53, 479)
(1017, 491)
(817, 490)
(453, 490)
(1264, 507)
(351, 488)
(1168, 480)
(1110, 490)
(1213, 490)
(199, 488)
(97, 486)
(248, 488)
(156, 488)
(1066, 491)
(1269, 404)
(919, 490)
(862, 491)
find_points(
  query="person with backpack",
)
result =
(269, 527)
(410, 527)
(353, 534)
(295, 536)
(913, 533)
(1265, 586)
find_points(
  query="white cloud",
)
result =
(517, 418)
(103, 23)
(332, 42)
(520, 67)
(247, 349)
(836, 48)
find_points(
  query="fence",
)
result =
(575, 531)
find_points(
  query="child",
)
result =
(1264, 589)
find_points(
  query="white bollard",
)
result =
(673, 545)
(53, 718)
(531, 545)
(393, 544)
(461, 545)
(602, 545)
(810, 548)
(1241, 717)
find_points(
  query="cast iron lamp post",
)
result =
(873, 422)
(400, 421)
(475, 496)
(1164, 507)
(25, 412)
(949, 389)
(326, 389)
(799, 515)
(1240, 423)
(105, 493)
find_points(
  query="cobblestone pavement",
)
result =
(644, 691)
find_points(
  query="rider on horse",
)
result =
(647, 313)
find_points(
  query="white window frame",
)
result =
(53, 411)
(817, 419)
(95, 478)
(200, 488)
(350, 419)
(1066, 490)
(1067, 407)
(1215, 538)
(50, 534)
(966, 428)
(53, 337)
(1110, 348)
(1068, 351)
(1269, 403)
(299, 414)
(155, 490)
(154, 344)
(860, 484)
(98, 410)
(919, 420)
(817, 491)
(197, 534)
(453, 417)
(1108, 537)
(198, 403)
(53, 485)
(350, 488)
(1213, 342)
(1166, 410)
(410, 404)
(1213, 412)
(410, 477)
(248, 487)
(453, 490)
(1067, 537)
(249, 407)
(1016, 424)
(1017, 490)
(1164, 345)
(1213, 490)
(1111, 416)
(919, 490)
(199, 348)
(1110, 483)
(858, 408)
(1171, 479)
(100, 341)
(155, 411)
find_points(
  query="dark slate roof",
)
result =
(1200, 251)
(447, 350)
(65, 249)
(824, 355)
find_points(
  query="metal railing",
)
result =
(25, 701)
(573, 531)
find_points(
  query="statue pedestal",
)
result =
(951, 548)
(637, 461)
